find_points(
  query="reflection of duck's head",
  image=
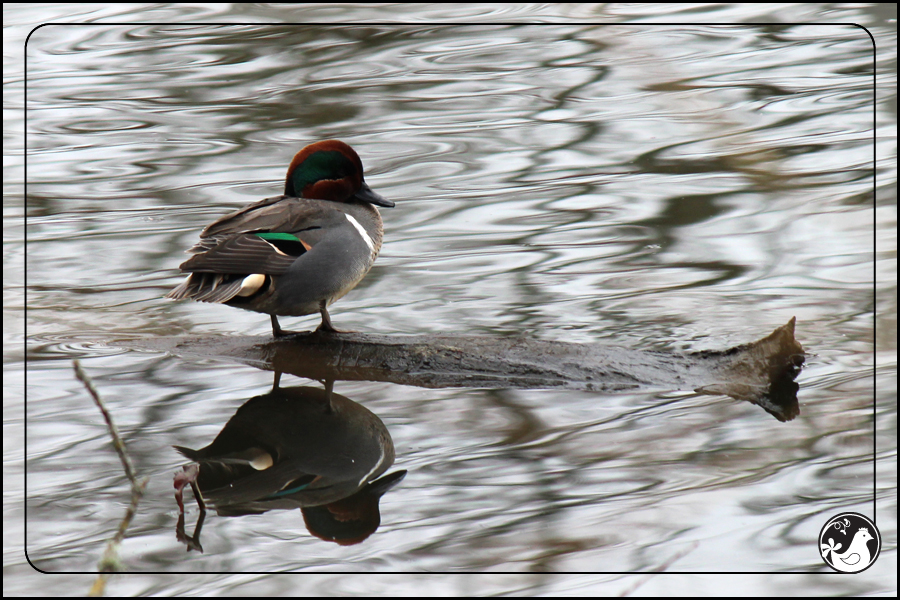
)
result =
(353, 519)
(293, 254)
(290, 448)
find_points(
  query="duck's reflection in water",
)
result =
(295, 447)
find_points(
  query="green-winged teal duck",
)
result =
(294, 254)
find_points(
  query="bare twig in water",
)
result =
(110, 561)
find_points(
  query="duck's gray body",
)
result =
(344, 239)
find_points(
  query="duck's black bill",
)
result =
(365, 194)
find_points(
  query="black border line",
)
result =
(425, 24)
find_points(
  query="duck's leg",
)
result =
(329, 388)
(326, 320)
(277, 331)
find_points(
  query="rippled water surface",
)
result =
(667, 187)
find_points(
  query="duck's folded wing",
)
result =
(246, 253)
(280, 214)
(265, 237)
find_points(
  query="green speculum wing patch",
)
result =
(286, 243)
(272, 237)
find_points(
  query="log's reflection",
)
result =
(296, 447)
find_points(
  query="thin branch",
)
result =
(110, 562)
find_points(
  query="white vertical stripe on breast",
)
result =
(362, 232)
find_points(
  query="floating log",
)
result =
(761, 372)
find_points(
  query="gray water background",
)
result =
(660, 186)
